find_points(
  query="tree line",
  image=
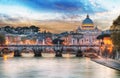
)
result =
(16, 30)
(20, 30)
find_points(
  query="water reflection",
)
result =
(51, 67)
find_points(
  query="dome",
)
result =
(87, 20)
(87, 24)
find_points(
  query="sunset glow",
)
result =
(42, 13)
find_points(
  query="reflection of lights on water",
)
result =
(68, 68)
(87, 62)
(6, 42)
(87, 59)
(5, 57)
(67, 55)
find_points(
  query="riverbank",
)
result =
(107, 62)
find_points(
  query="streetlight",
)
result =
(101, 46)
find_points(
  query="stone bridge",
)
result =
(58, 49)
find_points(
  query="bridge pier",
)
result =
(17, 53)
(79, 53)
(58, 53)
(37, 52)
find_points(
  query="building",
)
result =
(87, 33)
(14, 39)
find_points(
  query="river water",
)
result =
(51, 67)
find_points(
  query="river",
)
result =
(50, 67)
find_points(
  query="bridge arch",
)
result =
(90, 49)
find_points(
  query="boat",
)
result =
(27, 53)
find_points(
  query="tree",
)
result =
(7, 29)
(102, 36)
(34, 28)
(115, 35)
(2, 39)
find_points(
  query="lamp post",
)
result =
(101, 46)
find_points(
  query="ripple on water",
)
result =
(51, 67)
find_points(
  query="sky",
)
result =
(49, 14)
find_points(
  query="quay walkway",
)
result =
(107, 62)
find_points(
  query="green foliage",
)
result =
(115, 35)
(35, 29)
(102, 36)
(117, 21)
(2, 39)
(116, 39)
(21, 30)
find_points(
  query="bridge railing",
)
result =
(49, 45)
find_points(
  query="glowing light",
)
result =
(5, 57)
(6, 42)
(108, 43)
(67, 55)
(48, 41)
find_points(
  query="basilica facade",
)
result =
(86, 34)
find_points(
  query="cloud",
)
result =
(8, 18)
(34, 9)
(67, 6)
(25, 12)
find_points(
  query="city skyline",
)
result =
(58, 15)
